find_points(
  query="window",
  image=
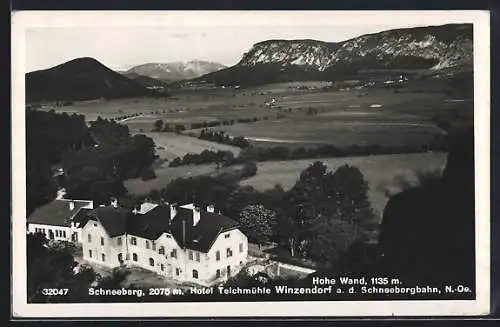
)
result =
(241, 262)
(161, 250)
(169, 236)
(195, 274)
(134, 256)
(177, 271)
(119, 241)
(102, 240)
(153, 246)
(198, 256)
(64, 233)
(95, 225)
(103, 257)
(229, 253)
(173, 254)
(133, 241)
(151, 262)
(217, 255)
(228, 270)
(147, 244)
(120, 257)
(162, 267)
(90, 253)
(217, 273)
(89, 238)
(227, 235)
(241, 247)
(191, 255)
(57, 233)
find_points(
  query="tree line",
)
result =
(50, 136)
(223, 138)
(160, 126)
(95, 159)
(256, 153)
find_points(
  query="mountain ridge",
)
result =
(82, 78)
(424, 47)
(175, 71)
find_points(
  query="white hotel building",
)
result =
(184, 243)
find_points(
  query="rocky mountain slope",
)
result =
(80, 79)
(175, 71)
(432, 47)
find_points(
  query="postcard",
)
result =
(231, 164)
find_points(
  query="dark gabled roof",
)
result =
(203, 235)
(82, 216)
(56, 213)
(114, 220)
(151, 224)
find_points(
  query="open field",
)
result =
(356, 116)
(165, 175)
(171, 145)
(381, 172)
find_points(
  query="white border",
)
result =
(24, 20)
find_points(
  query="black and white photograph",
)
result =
(232, 164)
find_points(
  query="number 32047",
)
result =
(55, 291)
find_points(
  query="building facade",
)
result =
(60, 220)
(184, 243)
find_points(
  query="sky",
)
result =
(222, 39)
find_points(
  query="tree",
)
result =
(307, 197)
(287, 232)
(350, 190)
(52, 266)
(92, 182)
(329, 238)
(257, 223)
(248, 170)
(158, 124)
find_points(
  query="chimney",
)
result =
(173, 211)
(183, 232)
(71, 205)
(196, 215)
(211, 208)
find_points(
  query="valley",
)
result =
(301, 117)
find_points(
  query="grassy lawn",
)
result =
(171, 145)
(166, 174)
(381, 172)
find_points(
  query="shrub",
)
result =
(148, 174)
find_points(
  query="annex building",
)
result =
(185, 243)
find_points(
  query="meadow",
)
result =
(172, 145)
(384, 173)
(316, 116)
